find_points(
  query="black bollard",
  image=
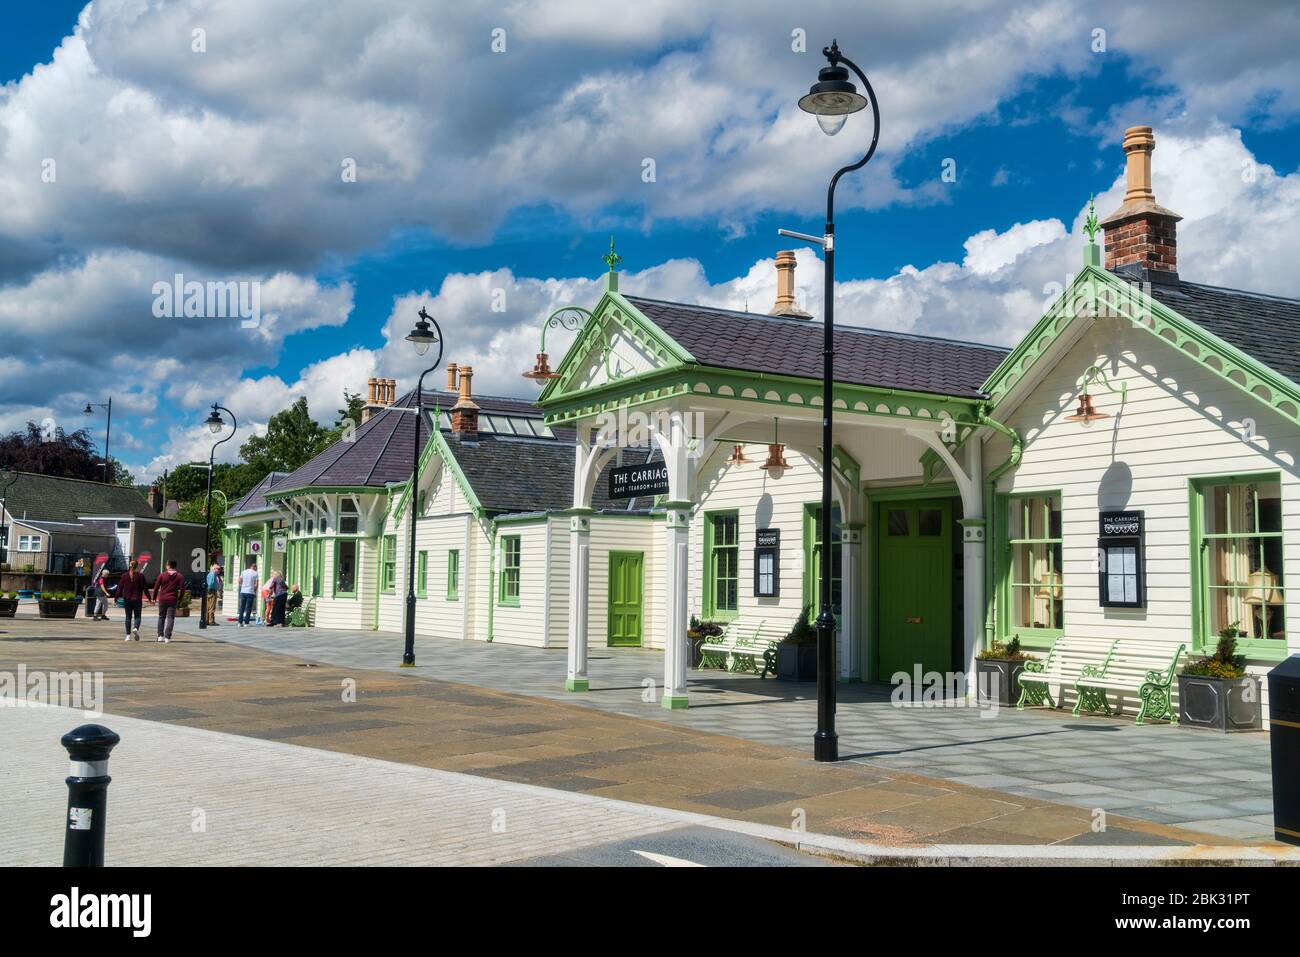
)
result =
(88, 748)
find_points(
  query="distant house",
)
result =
(50, 522)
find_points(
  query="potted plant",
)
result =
(58, 604)
(9, 604)
(1215, 692)
(183, 604)
(698, 632)
(997, 672)
(796, 653)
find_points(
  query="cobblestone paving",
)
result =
(1218, 784)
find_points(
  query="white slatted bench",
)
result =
(744, 642)
(1139, 665)
(1062, 666)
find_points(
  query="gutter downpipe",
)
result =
(991, 543)
(492, 579)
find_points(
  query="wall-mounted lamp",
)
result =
(1087, 413)
(738, 456)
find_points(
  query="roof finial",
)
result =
(611, 258)
(1090, 224)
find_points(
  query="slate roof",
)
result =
(1262, 326)
(758, 343)
(515, 474)
(56, 499)
(255, 499)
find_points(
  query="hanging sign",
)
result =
(280, 543)
(255, 547)
(1121, 575)
(636, 481)
(142, 561)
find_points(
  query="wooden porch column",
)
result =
(675, 443)
(973, 537)
(849, 664)
(579, 572)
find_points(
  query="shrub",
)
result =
(1009, 650)
(1225, 662)
(804, 632)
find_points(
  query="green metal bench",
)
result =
(1143, 666)
(1063, 665)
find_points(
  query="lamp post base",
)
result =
(826, 746)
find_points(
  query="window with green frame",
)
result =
(511, 555)
(422, 575)
(388, 564)
(1239, 575)
(1035, 585)
(453, 574)
(722, 564)
(812, 560)
(345, 567)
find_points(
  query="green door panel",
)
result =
(626, 588)
(914, 602)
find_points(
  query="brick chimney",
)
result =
(380, 394)
(464, 414)
(1141, 235)
(785, 304)
(156, 499)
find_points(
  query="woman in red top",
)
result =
(131, 589)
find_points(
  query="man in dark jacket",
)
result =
(132, 590)
(167, 592)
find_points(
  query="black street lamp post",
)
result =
(832, 99)
(426, 333)
(108, 428)
(215, 424)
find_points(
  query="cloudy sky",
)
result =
(359, 158)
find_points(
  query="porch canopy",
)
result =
(694, 380)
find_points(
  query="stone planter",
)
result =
(998, 680)
(1220, 704)
(8, 607)
(58, 608)
(796, 662)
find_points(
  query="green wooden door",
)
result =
(625, 593)
(914, 599)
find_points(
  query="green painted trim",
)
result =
(438, 444)
(1030, 636)
(890, 493)
(326, 490)
(491, 581)
(575, 684)
(1203, 639)
(778, 391)
(674, 702)
(613, 309)
(422, 574)
(1207, 350)
(708, 610)
(502, 598)
(453, 574)
(356, 568)
(387, 551)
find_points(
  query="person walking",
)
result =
(247, 593)
(214, 589)
(132, 590)
(279, 594)
(166, 593)
(101, 594)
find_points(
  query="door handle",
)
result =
(912, 620)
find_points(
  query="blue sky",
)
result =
(219, 164)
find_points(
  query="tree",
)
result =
(349, 415)
(292, 439)
(52, 451)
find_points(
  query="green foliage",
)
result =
(1225, 662)
(804, 632)
(292, 439)
(704, 629)
(350, 414)
(1005, 651)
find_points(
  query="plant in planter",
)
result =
(9, 604)
(997, 671)
(796, 653)
(697, 633)
(1215, 692)
(183, 605)
(58, 604)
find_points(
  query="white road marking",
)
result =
(664, 860)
